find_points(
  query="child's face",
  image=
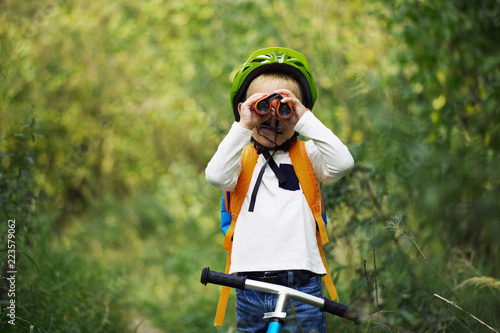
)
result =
(264, 132)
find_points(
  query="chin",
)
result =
(268, 137)
(265, 142)
(269, 143)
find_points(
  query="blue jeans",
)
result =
(251, 306)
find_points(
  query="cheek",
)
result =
(288, 132)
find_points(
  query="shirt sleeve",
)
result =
(224, 168)
(330, 158)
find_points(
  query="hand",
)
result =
(298, 108)
(249, 119)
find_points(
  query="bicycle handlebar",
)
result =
(222, 279)
(343, 311)
(357, 315)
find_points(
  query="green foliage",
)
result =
(447, 92)
(429, 164)
(132, 98)
(18, 154)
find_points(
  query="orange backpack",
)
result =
(232, 202)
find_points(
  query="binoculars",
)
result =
(264, 105)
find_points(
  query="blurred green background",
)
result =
(110, 111)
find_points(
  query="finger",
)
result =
(255, 97)
(290, 100)
(250, 102)
(285, 93)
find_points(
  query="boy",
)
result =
(274, 235)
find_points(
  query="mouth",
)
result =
(269, 126)
(272, 124)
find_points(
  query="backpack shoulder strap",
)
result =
(309, 184)
(249, 159)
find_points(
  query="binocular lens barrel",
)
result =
(285, 111)
(263, 107)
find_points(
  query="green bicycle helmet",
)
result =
(272, 60)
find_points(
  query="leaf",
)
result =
(34, 263)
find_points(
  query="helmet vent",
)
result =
(259, 60)
(279, 56)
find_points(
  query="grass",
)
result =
(61, 290)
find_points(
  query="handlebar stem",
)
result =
(279, 311)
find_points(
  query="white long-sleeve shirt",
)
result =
(280, 234)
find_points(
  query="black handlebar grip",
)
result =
(222, 279)
(341, 310)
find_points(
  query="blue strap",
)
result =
(225, 213)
